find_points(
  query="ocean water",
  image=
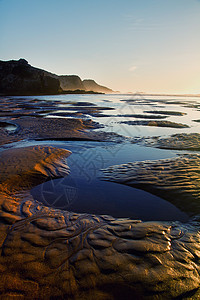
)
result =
(135, 104)
(83, 191)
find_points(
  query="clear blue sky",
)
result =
(127, 45)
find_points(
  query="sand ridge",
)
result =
(176, 180)
(23, 168)
(155, 123)
(180, 141)
(49, 253)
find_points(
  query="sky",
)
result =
(150, 46)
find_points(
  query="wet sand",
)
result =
(23, 168)
(180, 141)
(156, 124)
(176, 180)
(49, 253)
(167, 113)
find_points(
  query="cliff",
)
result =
(70, 82)
(17, 77)
(91, 85)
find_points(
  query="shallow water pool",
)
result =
(83, 192)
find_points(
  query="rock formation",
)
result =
(91, 85)
(20, 78)
(70, 82)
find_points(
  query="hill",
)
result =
(91, 85)
(18, 77)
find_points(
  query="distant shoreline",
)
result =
(76, 92)
(51, 94)
(169, 95)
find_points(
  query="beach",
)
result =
(99, 191)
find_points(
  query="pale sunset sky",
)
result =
(128, 45)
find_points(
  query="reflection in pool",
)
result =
(101, 197)
(83, 192)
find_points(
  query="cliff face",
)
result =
(91, 85)
(17, 77)
(70, 82)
